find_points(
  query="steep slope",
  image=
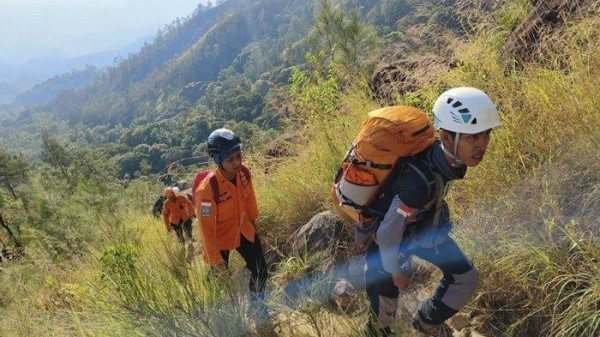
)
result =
(190, 51)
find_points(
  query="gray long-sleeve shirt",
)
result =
(412, 207)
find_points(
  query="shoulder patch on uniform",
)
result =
(405, 211)
(205, 209)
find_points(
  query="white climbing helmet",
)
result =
(465, 110)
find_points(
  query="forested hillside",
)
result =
(56, 85)
(223, 64)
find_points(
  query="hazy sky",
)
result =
(34, 28)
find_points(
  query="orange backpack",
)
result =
(387, 135)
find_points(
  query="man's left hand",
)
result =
(402, 279)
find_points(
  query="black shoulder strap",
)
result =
(398, 170)
(439, 198)
(422, 175)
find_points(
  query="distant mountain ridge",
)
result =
(18, 78)
(191, 51)
(56, 85)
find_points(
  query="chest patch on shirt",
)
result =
(224, 197)
(205, 209)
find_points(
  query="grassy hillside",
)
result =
(529, 212)
(98, 265)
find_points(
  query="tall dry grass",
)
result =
(296, 189)
(532, 215)
(528, 215)
(529, 212)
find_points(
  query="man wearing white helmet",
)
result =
(416, 220)
(467, 111)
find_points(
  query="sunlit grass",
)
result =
(528, 215)
(298, 187)
(532, 198)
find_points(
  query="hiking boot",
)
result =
(431, 330)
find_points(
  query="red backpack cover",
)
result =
(209, 174)
(213, 183)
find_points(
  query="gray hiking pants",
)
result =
(459, 281)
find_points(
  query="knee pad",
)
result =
(460, 290)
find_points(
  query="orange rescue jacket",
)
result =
(223, 221)
(178, 211)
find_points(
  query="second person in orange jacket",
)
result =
(227, 217)
(177, 212)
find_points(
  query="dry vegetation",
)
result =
(528, 215)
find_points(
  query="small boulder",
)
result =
(323, 233)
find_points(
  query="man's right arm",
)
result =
(206, 212)
(404, 207)
(390, 234)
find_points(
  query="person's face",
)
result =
(232, 164)
(472, 147)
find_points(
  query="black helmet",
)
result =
(222, 143)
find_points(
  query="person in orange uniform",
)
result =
(227, 210)
(177, 212)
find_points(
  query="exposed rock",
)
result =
(8, 255)
(524, 40)
(323, 233)
(281, 146)
(193, 91)
(460, 321)
(261, 87)
(345, 297)
(404, 76)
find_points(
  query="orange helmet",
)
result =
(169, 192)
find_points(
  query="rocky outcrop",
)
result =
(398, 78)
(281, 146)
(323, 233)
(546, 15)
